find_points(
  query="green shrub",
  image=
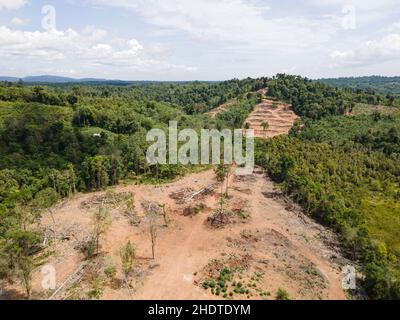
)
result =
(282, 294)
(110, 272)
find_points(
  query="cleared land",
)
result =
(226, 106)
(222, 108)
(278, 116)
(264, 241)
(362, 108)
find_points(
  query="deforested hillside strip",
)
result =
(234, 115)
(235, 102)
(222, 108)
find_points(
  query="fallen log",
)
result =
(71, 280)
(205, 191)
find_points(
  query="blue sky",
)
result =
(199, 39)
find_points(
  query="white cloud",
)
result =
(360, 4)
(88, 51)
(94, 33)
(12, 4)
(393, 27)
(225, 38)
(342, 54)
(233, 21)
(19, 21)
(370, 52)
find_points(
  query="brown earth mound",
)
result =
(279, 117)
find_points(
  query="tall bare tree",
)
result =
(165, 214)
(153, 236)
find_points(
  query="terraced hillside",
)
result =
(270, 119)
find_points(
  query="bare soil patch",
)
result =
(222, 108)
(266, 245)
(279, 117)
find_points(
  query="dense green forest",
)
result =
(193, 97)
(375, 132)
(317, 100)
(384, 85)
(56, 140)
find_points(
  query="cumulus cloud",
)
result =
(235, 21)
(12, 4)
(85, 50)
(370, 52)
(225, 38)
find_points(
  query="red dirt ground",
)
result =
(278, 238)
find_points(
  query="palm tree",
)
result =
(265, 125)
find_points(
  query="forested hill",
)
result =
(56, 140)
(317, 100)
(384, 85)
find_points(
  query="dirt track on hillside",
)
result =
(222, 108)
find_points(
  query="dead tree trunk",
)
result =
(153, 235)
(222, 196)
(165, 215)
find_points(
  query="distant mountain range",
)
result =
(49, 79)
